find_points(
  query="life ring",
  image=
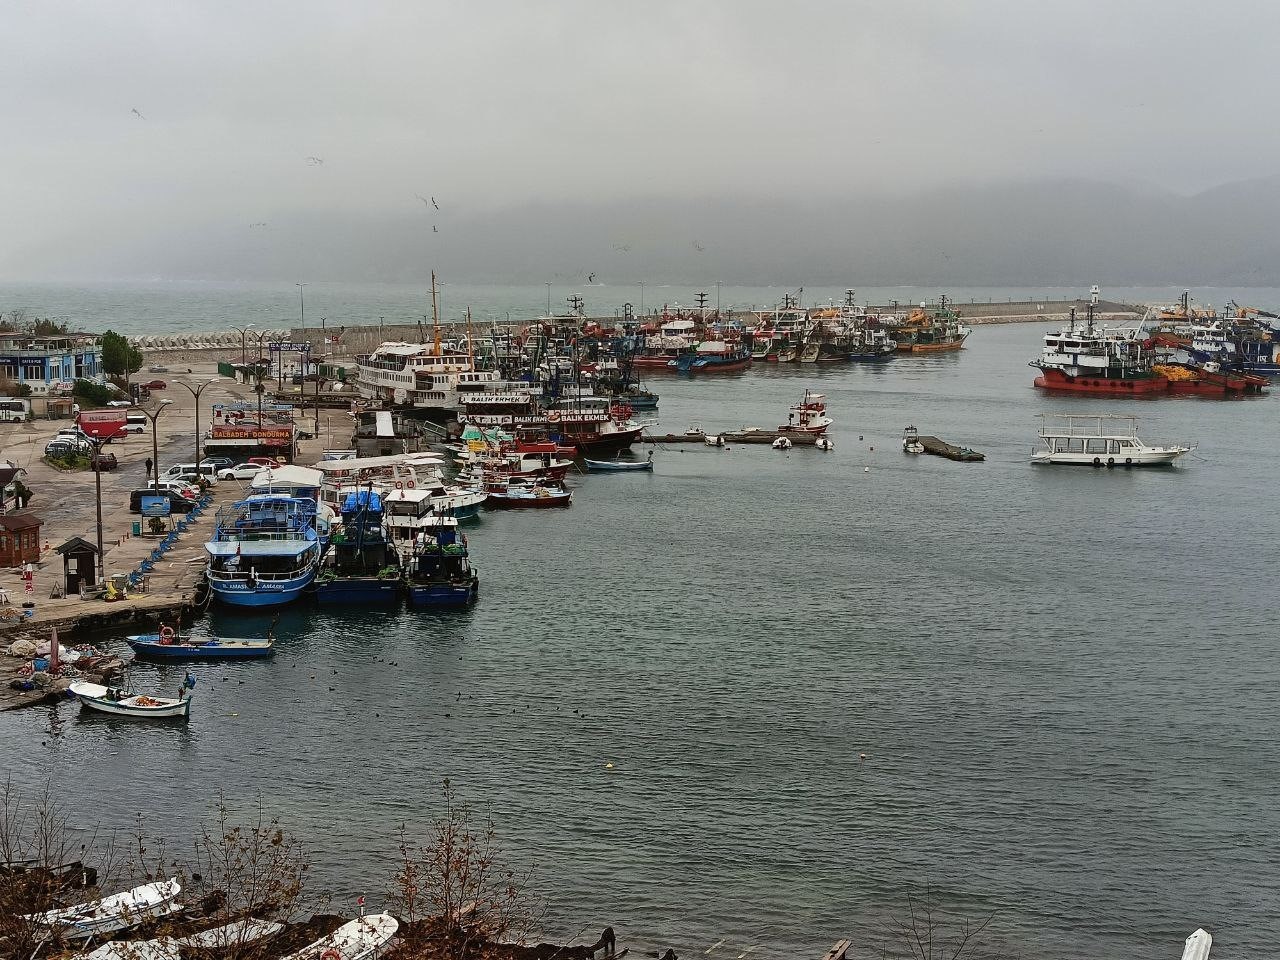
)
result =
(553, 416)
(410, 484)
(331, 954)
(1097, 461)
(399, 485)
(166, 634)
(1111, 462)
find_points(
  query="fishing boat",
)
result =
(808, 416)
(1209, 379)
(715, 356)
(608, 466)
(872, 345)
(911, 441)
(1100, 441)
(593, 425)
(265, 550)
(940, 332)
(119, 912)
(117, 701)
(168, 645)
(359, 939)
(1097, 361)
(362, 567)
(526, 496)
(438, 572)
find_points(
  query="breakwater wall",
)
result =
(336, 340)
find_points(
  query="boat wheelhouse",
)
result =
(438, 570)
(1100, 441)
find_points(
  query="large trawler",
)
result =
(265, 550)
(1097, 361)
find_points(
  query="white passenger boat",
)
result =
(122, 911)
(360, 939)
(1100, 441)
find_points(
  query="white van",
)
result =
(135, 423)
(207, 471)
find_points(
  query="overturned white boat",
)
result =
(122, 911)
(358, 940)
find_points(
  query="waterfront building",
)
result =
(19, 538)
(50, 364)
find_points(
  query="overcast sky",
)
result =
(489, 104)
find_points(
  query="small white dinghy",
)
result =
(122, 911)
(237, 933)
(122, 703)
(358, 940)
(782, 443)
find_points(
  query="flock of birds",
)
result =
(431, 206)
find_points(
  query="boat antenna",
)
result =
(1072, 327)
(1089, 308)
(435, 313)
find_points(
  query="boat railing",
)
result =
(262, 536)
(257, 576)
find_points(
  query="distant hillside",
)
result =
(1029, 234)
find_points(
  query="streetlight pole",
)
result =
(195, 395)
(243, 353)
(97, 493)
(642, 298)
(302, 304)
(717, 298)
(153, 416)
(548, 286)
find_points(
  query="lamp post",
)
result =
(153, 416)
(302, 305)
(642, 298)
(243, 353)
(195, 395)
(548, 286)
(97, 493)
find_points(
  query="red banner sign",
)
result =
(271, 434)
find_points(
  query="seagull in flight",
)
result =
(315, 161)
(434, 228)
(591, 278)
(622, 247)
(261, 223)
(434, 204)
(697, 246)
(135, 112)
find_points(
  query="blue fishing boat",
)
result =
(159, 646)
(1240, 350)
(362, 566)
(439, 573)
(264, 552)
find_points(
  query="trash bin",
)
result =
(137, 528)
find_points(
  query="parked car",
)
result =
(103, 461)
(157, 369)
(119, 403)
(177, 502)
(185, 488)
(218, 463)
(133, 429)
(241, 471)
(155, 385)
(264, 461)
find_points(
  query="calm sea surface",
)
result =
(1064, 682)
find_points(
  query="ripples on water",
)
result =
(1063, 682)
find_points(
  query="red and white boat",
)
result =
(808, 416)
(594, 426)
(1097, 361)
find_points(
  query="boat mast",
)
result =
(435, 312)
(470, 356)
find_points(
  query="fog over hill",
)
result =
(1026, 234)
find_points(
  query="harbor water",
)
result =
(824, 681)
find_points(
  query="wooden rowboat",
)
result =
(121, 703)
(608, 466)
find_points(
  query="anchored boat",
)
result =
(1101, 441)
(167, 645)
(364, 567)
(122, 911)
(439, 573)
(120, 702)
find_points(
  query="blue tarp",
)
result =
(361, 498)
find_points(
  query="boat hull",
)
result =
(94, 697)
(428, 596)
(155, 650)
(504, 502)
(358, 591)
(1142, 459)
(1054, 379)
(605, 443)
(236, 594)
